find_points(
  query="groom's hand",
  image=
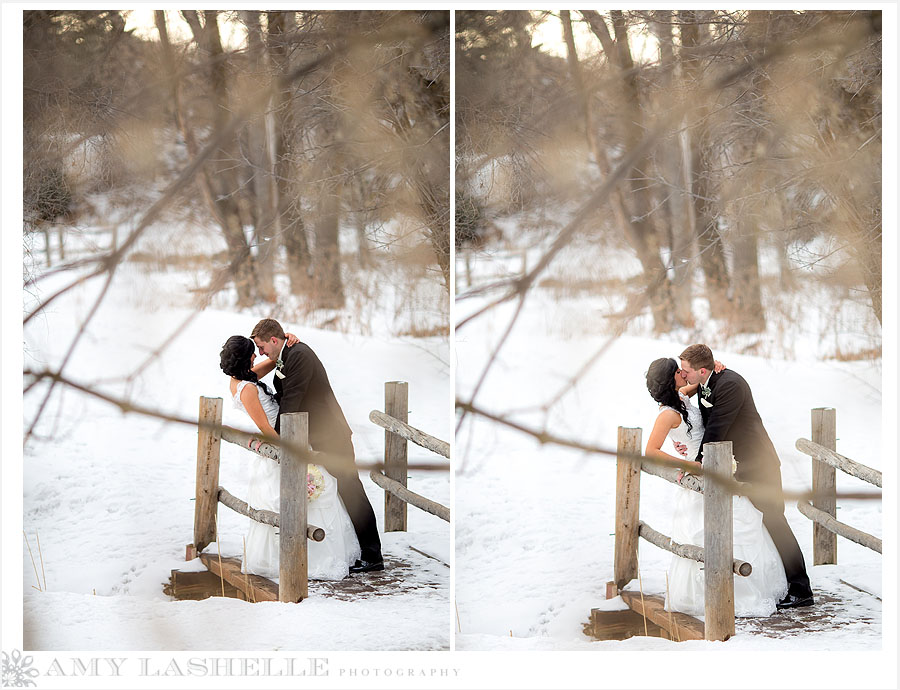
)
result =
(681, 448)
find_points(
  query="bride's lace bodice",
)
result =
(693, 437)
(270, 407)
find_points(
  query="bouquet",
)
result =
(315, 482)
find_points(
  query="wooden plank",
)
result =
(407, 496)
(679, 625)
(396, 405)
(207, 484)
(628, 498)
(718, 544)
(824, 433)
(620, 625)
(292, 557)
(254, 587)
(198, 585)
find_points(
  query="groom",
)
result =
(301, 385)
(729, 414)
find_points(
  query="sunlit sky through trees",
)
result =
(548, 34)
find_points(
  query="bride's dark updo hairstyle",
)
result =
(661, 384)
(235, 358)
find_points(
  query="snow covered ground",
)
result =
(111, 496)
(535, 524)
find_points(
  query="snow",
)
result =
(110, 496)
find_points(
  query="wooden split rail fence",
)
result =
(290, 521)
(394, 478)
(822, 510)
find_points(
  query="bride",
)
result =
(329, 559)
(754, 595)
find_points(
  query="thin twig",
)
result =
(641, 588)
(41, 557)
(672, 629)
(219, 550)
(33, 564)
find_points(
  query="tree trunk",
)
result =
(709, 243)
(258, 155)
(329, 293)
(221, 172)
(289, 220)
(640, 230)
(748, 315)
(670, 163)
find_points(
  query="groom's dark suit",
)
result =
(732, 416)
(305, 388)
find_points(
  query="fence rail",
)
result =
(692, 551)
(256, 444)
(410, 433)
(838, 461)
(267, 517)
(820, 517)
(414, 499)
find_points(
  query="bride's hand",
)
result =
(681, 448)
(291, 339)
(719, 367)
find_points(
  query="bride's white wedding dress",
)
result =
(755, 595)
(329, 559)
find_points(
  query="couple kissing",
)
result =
(337, 499)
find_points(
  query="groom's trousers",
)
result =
(772, 509)
(352, 493)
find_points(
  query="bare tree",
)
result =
(220, 176)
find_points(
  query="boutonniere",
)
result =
(705, 402)
(279, 374)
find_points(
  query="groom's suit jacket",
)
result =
(305, 388)
(733, 417)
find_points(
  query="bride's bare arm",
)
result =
(689, 389)
(250, 398)
(667, 420)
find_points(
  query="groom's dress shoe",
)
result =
(793, 601)
(366, 566)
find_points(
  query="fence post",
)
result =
(292, 563)
(628, 498)
(824, 432)
(396, 405)
(718, 544)
(209, 442)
